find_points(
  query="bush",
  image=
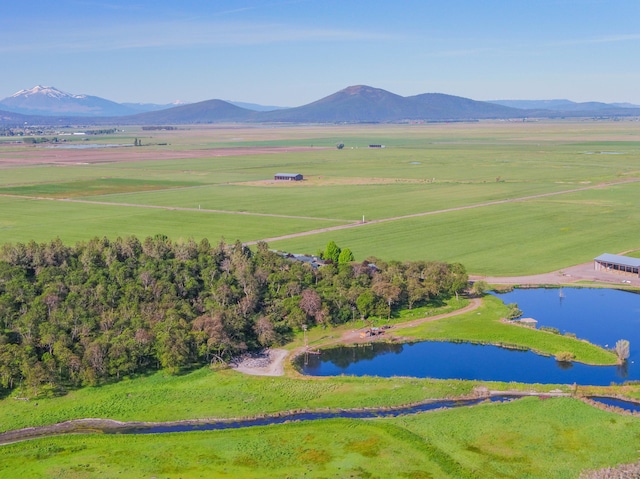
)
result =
(549, 329)
(514, 311)
(565, 356)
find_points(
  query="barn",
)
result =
(617, 264)
(288, 177)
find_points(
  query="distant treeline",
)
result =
(103, 309)
(159, 128)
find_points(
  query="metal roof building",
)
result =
(617, 264)
(288, 176)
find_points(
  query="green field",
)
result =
(495, 170)
(485, 441)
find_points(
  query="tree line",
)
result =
(103, 309)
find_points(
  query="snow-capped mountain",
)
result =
(49, 101)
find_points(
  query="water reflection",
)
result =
(445, 360)
(601, 316)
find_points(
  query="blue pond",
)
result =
(601, 316)
(621, 403)
(598, 315)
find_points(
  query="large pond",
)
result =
(601, 316)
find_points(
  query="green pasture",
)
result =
(23, 220)
(103, 186)
(423, 169)
(483, 325)
(529, 437)
(204, 393)
(529, 237)
(332, 201)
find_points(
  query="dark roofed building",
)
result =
(617, 264)
(288, 177)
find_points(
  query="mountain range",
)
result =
(354, 104)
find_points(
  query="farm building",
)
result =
(288, 177)
(617, 264)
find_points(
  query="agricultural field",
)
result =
(501, 198)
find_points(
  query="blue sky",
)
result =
(292, 52)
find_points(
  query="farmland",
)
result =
(216, 182)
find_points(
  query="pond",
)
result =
(599, 315)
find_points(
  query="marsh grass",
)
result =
(562, 437)
(221, 394)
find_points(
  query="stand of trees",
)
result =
(103, 309)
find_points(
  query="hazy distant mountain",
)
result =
(256, 107)
(210, 111)
(9, 118)
(363, 103)
(49, 101)
(441, 106)
(144, 107)
(561, 105)
(354, 104)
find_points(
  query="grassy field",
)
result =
(484, 325)
(425, 170)
(562, 437)
(222, 394)
(530, 237)
(23, 220)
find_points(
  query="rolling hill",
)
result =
(354, 104)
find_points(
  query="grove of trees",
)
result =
(104, 309)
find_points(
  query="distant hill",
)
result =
(354, 104)
(363, 103)
(49, 101)
(256, 106)
(144, 107)
(8, 118)
(210, 111)
(441, 106)
(561, 105)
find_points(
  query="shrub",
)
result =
(549, 329)
(565, 356)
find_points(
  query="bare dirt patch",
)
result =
(269, 362)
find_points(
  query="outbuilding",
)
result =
(288, 177)
(617, 264)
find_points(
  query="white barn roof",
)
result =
(620, 260)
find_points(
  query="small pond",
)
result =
(445, 360)
(600, 315)
(630, 406)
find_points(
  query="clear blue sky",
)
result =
(292, 52)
